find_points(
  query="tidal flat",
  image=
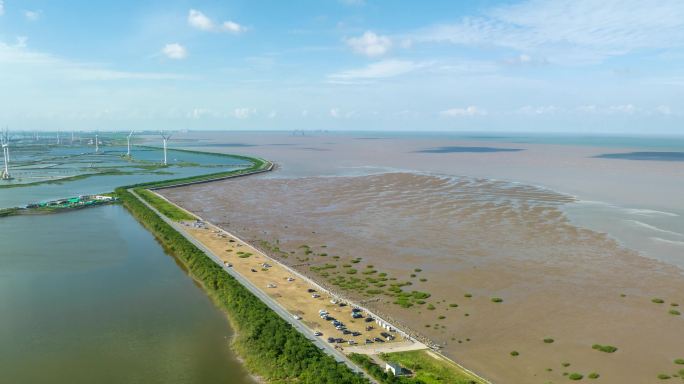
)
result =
(504, 266)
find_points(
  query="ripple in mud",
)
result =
(461, 242)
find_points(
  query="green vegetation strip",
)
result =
(427, 369)
(269, 345)
(167, 209)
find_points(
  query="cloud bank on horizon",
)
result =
(527, 65)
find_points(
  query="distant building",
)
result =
(394, 368)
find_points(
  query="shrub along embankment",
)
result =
(269, 345)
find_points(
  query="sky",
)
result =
(573, 66)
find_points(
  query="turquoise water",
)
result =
(21, 196)
(614, 141)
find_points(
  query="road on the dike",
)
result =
(270, 302)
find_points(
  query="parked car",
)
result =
(296, 317)
(378, 340)
(356, 333)
(369, 341)
(369, 319)
(317, 333)
(331, 339)
(310, 290)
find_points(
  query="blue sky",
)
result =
(540, 66)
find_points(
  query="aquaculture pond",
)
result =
(43, 173)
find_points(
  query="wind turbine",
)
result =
(165, 138)
(58, 138)
(4, 140)
(97, 144)
(128, 142)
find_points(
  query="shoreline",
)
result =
(335, 295)
(515, 307)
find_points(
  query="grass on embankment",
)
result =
(167, 209)
(269, 345)
(430, 370)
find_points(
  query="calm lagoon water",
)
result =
(15, 197)
(89, 296)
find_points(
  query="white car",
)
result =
(296, 317)
(227, 264)
(318, 333)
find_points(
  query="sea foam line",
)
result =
(673, 242)
(654, 228)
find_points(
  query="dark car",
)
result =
(385, 334)
(253, 270)
(310, 290)
(339, 340)
(369, 341)
(369, 319)
(346, 332)
(355, 333)
(378, 340)
(331, 339)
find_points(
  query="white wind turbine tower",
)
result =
(97, 144)
(58, 138)
(4, 140)
(165, 138)
(128, 142)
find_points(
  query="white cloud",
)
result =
(370, 44)
(200, 21)
(2, 7)
(337, 113)
(569, 31)
(622, 109)
(243, 113)
(233, 27)
(21, 42)
(664, 110)
(175, 51)
(272, 114)
(45, 64)
(377, 70)
(32, 15)
(538, 110)
(467, 112)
